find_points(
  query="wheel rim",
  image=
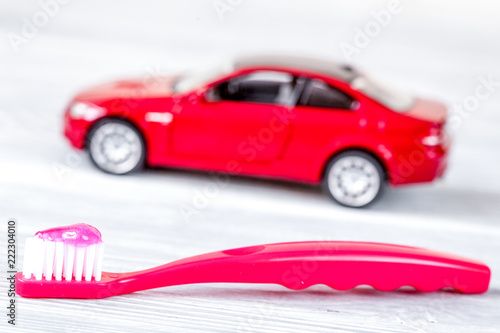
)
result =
(116, 148)
(354, 181)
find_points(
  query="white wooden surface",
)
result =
(436, 49)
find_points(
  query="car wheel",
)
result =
(354, 179)
(116, 147)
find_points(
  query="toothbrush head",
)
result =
(72, 252)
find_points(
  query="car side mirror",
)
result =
(194, 97)
(210, 96)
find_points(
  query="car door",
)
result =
(246, 118)
(326, 116)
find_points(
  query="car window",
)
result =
(259, 87)
(321, 95)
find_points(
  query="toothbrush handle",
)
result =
(340, 265)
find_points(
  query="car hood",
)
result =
(428, 110)
(149, 87)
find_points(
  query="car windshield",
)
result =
(196, 79)
(387, 96)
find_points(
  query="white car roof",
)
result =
(340, 71)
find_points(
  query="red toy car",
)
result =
(293, 118)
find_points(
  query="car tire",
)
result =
(354, 179)
(116, 147)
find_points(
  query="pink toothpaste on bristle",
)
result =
(79, 235)
(73, 251)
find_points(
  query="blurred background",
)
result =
(51, 49)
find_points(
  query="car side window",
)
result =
(259, 87)
(319, 94)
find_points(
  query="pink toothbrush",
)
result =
(66, 262)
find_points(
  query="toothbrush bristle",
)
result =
(45, 259)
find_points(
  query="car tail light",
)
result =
(433, 138)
